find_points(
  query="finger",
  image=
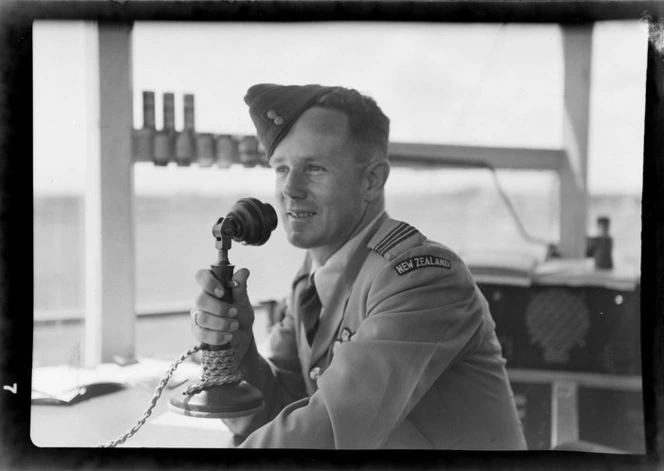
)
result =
(210, 284)
(206, 302)
(210, 337)
(240, 296)
(208, 321)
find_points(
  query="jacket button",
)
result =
(314, 374)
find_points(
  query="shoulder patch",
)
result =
(421, 261)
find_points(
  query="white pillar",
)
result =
(577, 52)
(564, 413)
(109, 235)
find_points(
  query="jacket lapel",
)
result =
(303, 348)
(329, 323)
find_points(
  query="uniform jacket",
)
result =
(406, 356)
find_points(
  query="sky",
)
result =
(483, 84)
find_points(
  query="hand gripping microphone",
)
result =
(221, 392)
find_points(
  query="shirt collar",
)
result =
(325, 276)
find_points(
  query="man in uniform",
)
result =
(387, 342)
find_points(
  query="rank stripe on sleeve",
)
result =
(411, 232)
(394, 237)
(390, 236)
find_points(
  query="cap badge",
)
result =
(278, 120)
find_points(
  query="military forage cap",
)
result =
(275, 108)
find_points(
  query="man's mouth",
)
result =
(301, 214)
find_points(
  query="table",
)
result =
(104, 418)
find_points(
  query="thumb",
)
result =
(240, 296)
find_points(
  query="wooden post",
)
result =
(109, 235)
(577, 51)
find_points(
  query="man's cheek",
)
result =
(280, 201)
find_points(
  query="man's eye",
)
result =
(315, 168)
(281, 170)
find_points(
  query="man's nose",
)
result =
(294, 185)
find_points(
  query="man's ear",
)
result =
(375, 176)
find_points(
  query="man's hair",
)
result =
(368, 126)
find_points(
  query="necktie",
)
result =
(310, 308)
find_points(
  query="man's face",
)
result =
(320, 187)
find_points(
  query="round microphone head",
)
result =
(254, 221)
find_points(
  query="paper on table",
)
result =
(63, 384)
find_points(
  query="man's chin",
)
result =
(297, 240)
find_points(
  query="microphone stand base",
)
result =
(225, 401)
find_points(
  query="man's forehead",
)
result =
(285, 158)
